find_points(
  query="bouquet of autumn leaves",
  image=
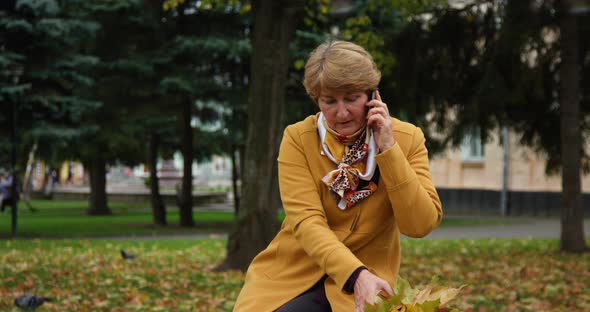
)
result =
(432, 298)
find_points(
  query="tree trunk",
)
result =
(572, 211)
(158, 207)
(242, 160)
(186, 196)
(98, 194)
(274, 25)
(235, 176)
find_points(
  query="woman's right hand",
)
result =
(366, 287)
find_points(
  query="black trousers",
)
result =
(313, 300)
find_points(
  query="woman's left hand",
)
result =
(379, 120)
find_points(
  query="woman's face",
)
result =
(345, 112)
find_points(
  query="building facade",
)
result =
(470, 179)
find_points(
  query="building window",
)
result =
(472, 149)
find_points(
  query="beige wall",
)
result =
(526, 170)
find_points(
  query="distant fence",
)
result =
(487, 202)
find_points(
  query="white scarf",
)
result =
(371, 164)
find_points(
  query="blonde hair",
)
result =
(340, 66)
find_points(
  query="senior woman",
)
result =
(352, 179)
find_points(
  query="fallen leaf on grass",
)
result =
(503, 275)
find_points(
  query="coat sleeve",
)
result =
(416, 205)
(305, 214)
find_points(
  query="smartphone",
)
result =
(371, 95)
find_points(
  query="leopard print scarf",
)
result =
(356, 164)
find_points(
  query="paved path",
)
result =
(516, 228)
(521, 228)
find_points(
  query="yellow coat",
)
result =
(316, 238)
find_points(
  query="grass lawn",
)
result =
(90, 275)
(68, 219)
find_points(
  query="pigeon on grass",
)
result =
(126, 255)
(28, 302)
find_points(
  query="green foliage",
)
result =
(487, 66)
(407, 8)
(40, 68)
(316, 18)
(121, 76)
(208, 63)
(38, 8)
(210, 5)
(374, 24)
